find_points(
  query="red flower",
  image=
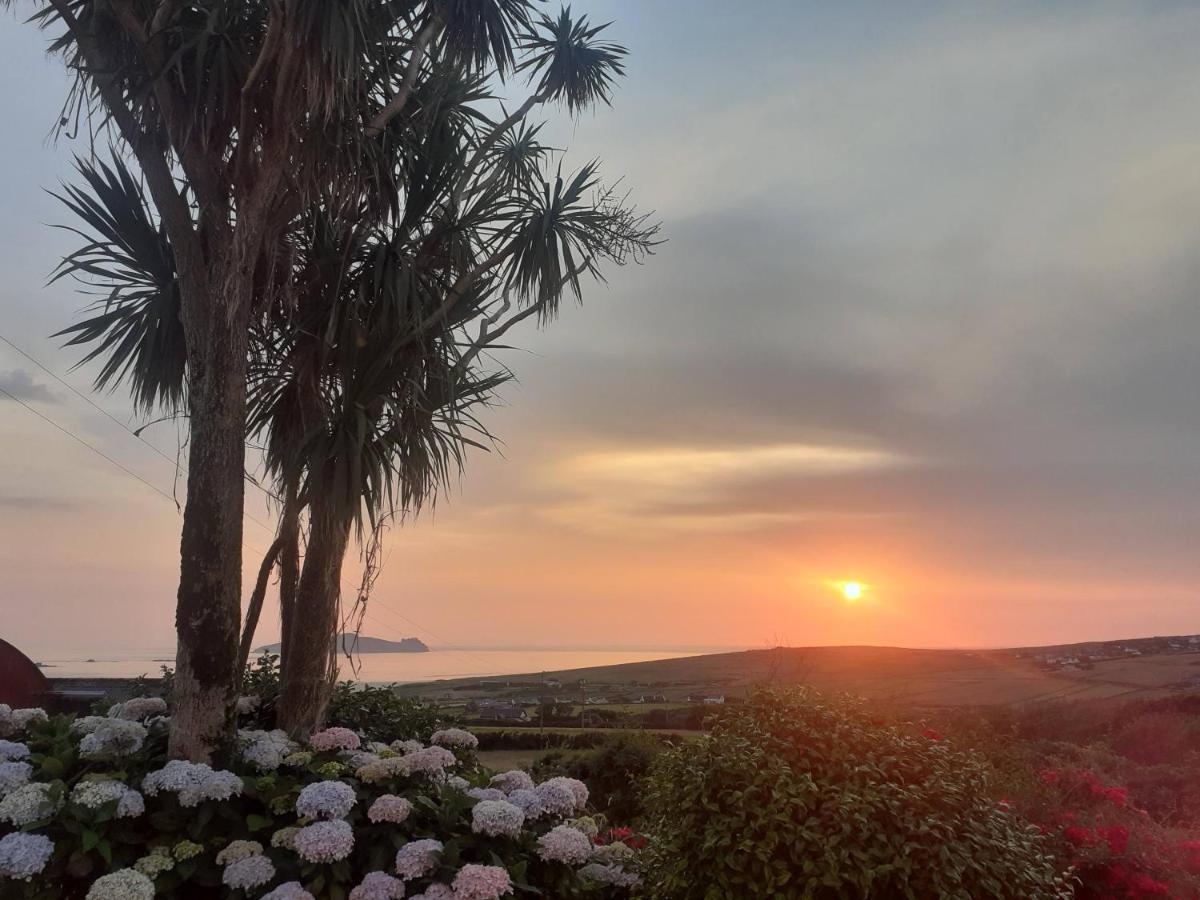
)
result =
(1079, 836)
(1117, 837)
(623, 835)
(1049, 776)
(1142, 885)
(1117, 795)
(931, 734)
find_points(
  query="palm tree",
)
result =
(361, 372)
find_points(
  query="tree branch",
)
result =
(520, 113)
(254, 609)
(396, 105)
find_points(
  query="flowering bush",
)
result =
(340, 817)
(1114, 848)
(796, 796)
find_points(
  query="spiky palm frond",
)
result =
(136, 329)
(518, 157)
(570, 65)
(479, 32)
(564, 231)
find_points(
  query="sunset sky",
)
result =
(928, 320)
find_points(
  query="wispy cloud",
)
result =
(680, 488)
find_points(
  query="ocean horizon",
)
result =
(382, 668)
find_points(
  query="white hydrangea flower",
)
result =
(28, 804)
(139, 708)
(554, 799)
(123, 884)
(407, 746)
(6, 723)
(577, 788)
(612, 854)
(378, 886)
(389, 808)
(266, 750)
(383, 769)
(436, 892)
(22, 717)
(458, 783)
(325, 800)
(609, 874)
(587, 825)
(155, 864)
(417, 858)
(564, 844)
(113, 737)
(94, 794)
(13, 750)
(87, 724)
(356, 759)
(193, 782)
(235, 850)
(14, 775)
(497, 818)
(513, 780)
(325, 841)
(529, 802)
(285, 838)
(24, 855)
(247, 873)
(478, 793)
(292, 890)
(454, 738)
(299, 759)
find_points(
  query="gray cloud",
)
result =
(21, 385)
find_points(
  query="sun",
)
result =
(851, 590)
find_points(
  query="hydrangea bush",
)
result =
(91, 808)
(796, 796)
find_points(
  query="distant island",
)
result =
(361, 643)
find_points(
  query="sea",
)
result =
(382, 668)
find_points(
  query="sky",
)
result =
(926, 319)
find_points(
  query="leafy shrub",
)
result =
(533, 739)
(380, 714)
(95, 801)
(613, 772)
(797, 796)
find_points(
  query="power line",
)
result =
(104, 412)
(98, 452)
(175, 503)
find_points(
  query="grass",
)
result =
(503, 760)
(930, 678)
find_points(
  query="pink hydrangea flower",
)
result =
(390, 808)
(335, 739)
(378, 886)
(476, 882)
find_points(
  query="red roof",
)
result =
(21, 682)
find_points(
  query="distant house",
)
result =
(714, 700)
(553, 684)
(503, 713)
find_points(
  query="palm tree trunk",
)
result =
(309, 667)
(208, 613)
(289, 565)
